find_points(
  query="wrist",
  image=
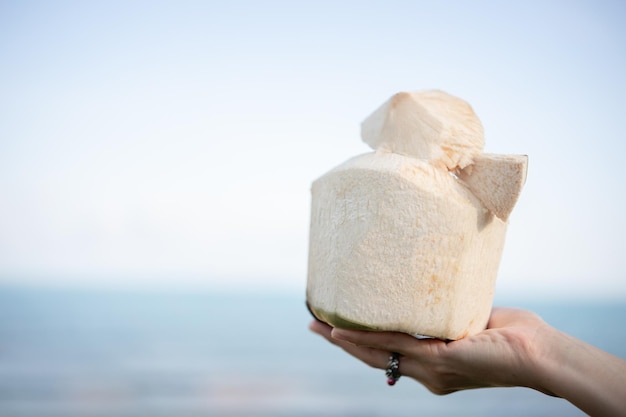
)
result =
(547, 360)
(589, 378)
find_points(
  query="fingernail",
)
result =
(316, 327)
(340, 334)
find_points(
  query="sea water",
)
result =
(98, 353)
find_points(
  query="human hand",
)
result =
(505, 354)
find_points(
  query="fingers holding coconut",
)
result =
(417, 355)
(321, 328)
(363, 343)
(402, 343)
(432, 362)
(370, 356)
(418, 358)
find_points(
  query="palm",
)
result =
(494, 357)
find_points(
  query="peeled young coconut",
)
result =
(409, 237)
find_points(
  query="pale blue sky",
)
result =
(174, 143)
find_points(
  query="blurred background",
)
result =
(155, 165)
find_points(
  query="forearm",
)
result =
(591, 379)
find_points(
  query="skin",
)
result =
(517, 349)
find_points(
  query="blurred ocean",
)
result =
(98, 353)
